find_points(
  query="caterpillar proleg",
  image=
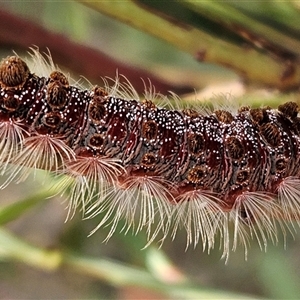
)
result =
(159, 169)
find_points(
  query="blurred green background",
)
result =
(41, 256)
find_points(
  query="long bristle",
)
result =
(289, 199)
(39, 152)
(199, 213)
(255, 212)
(143, 203)
(11, 142)
(88, 178)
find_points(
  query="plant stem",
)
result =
(114, 273)
(251, 64)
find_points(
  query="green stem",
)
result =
(121, 275)
(249, 63)
(114, 273)
(245, 26)
(14, 248)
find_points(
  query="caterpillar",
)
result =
(158, 169)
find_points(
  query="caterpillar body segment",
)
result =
(159, 169)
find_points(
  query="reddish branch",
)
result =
(19, 34)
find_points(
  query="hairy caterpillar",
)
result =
(158, 169)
